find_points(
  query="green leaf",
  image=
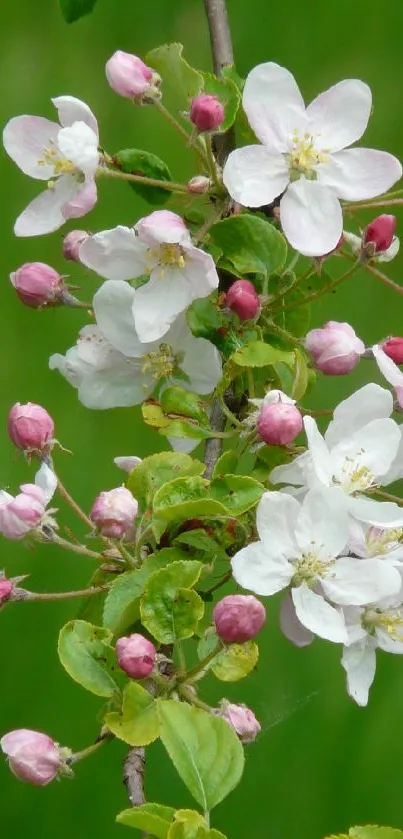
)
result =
(170, 610)
(74, 9)
(176, 400)
(153, 415)
(238, 493)
(204, 749)
(200, 541)
(122, 603)
(371, 831)
(139, 162)
(227, 93)
(138, 722)
(227, 462)
(204, 317)
(186, 498)
(189, 824)
(149, 818)
(231, 73)
(189, 430)
(260, 354)
(300, 382)
(250, 244)
(175, 71)
(85, 652)
(155, 471)
(236, 661)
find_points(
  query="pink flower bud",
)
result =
(241, 719)
(199, 184)
(30, 427)
(393, 348)
(37, 284)
(72, 242)
(279, 421)
(136, 656)
(130, 77)
(206, 112)
(6, 588)
(335, 348)
(238, 618)
(380, 233)
(113, 512)
(242, 298)
(33, 757)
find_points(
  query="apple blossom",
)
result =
(243, 299)
(302, 546)
(130, 77)
(359, 450)
(279, 421)
(238, 618)
(71, 244)
(379, 235)
(241, 719)
(63, 155)
(113, 512)
(33, 757)
(206, 112)
(30, 427)
(335, 348)
(110, 367)
(304, 156)
(136, 656)
(25, 512)
(159, 245)
(37, 284)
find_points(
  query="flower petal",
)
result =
(79, 144)
(200, 271)
(368, 403)
(340, 115)
(254, 176)
(311, 217)
(357, 174)
(158, 303)
(115, 254)
(321, 459)
(291, 627)
(25, 139)
(388, 368)
(322, 523)
(379, 513)
(72, 110)
(373, 447)
(162, 227)
(359, 662)
(82, 202)
(120, 386)
(127, 462)
(113, 304)
(255, 570)
(355, 582)
(44, 213)
(318, 616)
(295, 472)
(46, 479)
(275, 521)
(273, 104)
(201, 363)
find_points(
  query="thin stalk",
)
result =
(180, 130)
(64, 595)
(172, 186)
(212, 164)
(73, 504)
(368, 205)
(215, 216)
(275, 302)
(192, 699)
(282, 333)
(324, 290)
(74, 547)
(195, 671)
(378, 274)
(220, 583)
(228, 413)
(90, 749)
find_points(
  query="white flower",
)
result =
(360, 449)
(305, 156)
(65, 155)
(375, 626)
(26, 512)
(158, 245)
(299, 547)
(367, 541)
(111, 367)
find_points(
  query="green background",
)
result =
(321, 763)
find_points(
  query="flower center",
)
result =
(305, 156)
(61, 165)
(382, 541)
(354, 476)
(308, 568)
(160, 363)
(390, 622)
(166, 256)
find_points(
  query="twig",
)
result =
(62, 595)
(223, 56)
(133, 775)
(213, 446)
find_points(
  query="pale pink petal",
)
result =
(113, 304)
(201, 364)
(295, 472)
(318, 616)
(82, 202)
(354, 582)
(291, 627)
(273, 104)
(254, 176)
(115, 254)
(25, 140)
(44, 214)
(79, 144)
(276, 515)
(72, 110)
(311, 217)
(162, 227)
(369, 402)
(357, 174)
(127, 462)
(121, 386)
(359, 662)
(183, 445)
(200, 271)
(158, 302)
(339, 116)
(388, 368)
(322, 524)
(255, 570)
(319, 452)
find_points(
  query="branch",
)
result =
(133, 775)
(223, 56)
(213, 446)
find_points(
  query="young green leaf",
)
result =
(72, 10)
(260, 354)
(236, 661)
(158, 469)
(85, 652)
(139, 162)
(204, 749)
(154, 819)
(122, 603)
(138, 722)
(186, 498)
(238, 493)
(170, 610)
(250, 244)
(175, 71)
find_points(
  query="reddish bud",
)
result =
(37, 284)
(241, 719)
(199, 184)
(71, 244)
(238, 618)
(113, 512)
(136, 656)
(242, 298)
(279, 421)
(393, 348)
(33, 757)
(6, 589)
(206, 112)
(30, 427)
(380, 233)
(335, 348)
(130, 77)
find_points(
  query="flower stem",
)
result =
(282, 333)
(73, 504)
(329, 287)
(192, 675)
(378, 274)
(172, 186)
(192, 698)
(212, 165)
(220, 583)
(75, 758)
(180, 130)
(72, 546)
(230, 416)
(64, 595)
(368, 205)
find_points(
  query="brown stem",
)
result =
(133, 775)
(223, 56)
(213, 446)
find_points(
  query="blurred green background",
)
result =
(321, 763)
